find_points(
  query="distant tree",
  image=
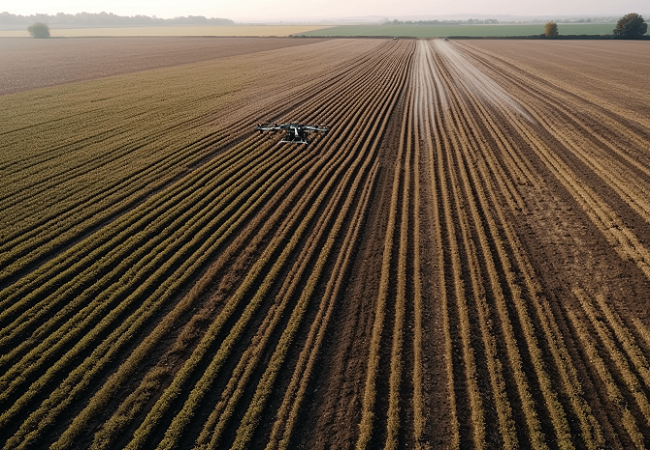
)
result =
(550, 29)
(631, 26)
(39, 30)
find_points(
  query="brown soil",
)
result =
(34, 63)
(463, 261)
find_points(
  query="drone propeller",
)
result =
(295, 132)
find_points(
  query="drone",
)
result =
(295, 132)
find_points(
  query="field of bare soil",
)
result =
(463, 261)
(33, 63)
(268, 31)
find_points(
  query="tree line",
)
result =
(107, 19)
(630, 26)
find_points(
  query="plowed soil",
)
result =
(33, 63)
(463, 261)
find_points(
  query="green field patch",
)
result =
(433, 31)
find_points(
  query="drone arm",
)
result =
(261, 128)
(311, 128)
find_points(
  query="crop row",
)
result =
(341, 164)
(184, 284)
(517, 333)
(120, 280)
(118, 172)
(564, 403)
(80, 318)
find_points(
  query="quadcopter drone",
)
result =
(295, 132)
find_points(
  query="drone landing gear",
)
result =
(295, 133)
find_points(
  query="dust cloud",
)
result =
(476, 81)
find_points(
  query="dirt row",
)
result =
(555, 166)
(529, 282)
(462, 262)
(273, 206)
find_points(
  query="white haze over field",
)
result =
(300, 10)
(474, 80)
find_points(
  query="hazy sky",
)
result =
(291, 10)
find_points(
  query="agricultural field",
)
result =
(33, 63)
(194, 31)
(463, 261)
(433, 31)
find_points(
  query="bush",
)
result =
(631, 26)
(39, 30)
(550, 29)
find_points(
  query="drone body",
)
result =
(294, 132)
